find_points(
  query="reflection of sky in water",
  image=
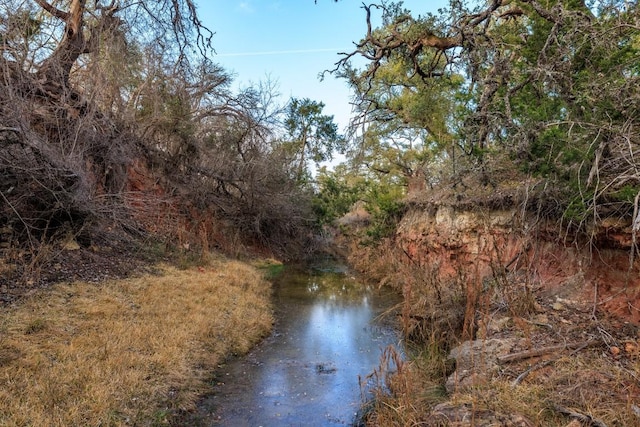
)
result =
(306, 374)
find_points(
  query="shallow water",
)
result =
(328, 334)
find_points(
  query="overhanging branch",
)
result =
(60, 14)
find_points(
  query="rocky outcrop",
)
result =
(519, 321)
(476, 361)
(483, 245)
(455, 240)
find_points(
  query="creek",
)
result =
(329, 335)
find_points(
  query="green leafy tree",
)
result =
(311, 135)
(340, 190)
(549, 89)
(405, 122)
(337, 192)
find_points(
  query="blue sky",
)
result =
(292, 41)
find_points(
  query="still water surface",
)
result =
(328, 333)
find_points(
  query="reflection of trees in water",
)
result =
(328, 335)
(333, 289)
(338, 284)
(338, 289)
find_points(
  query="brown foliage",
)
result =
(75, 136)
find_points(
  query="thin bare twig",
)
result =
(26, 226)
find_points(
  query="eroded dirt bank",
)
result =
(484, 245)
(516, 324)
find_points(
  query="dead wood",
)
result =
(540, 365)
(514, 357)
(587, 419)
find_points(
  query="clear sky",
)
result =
(292, 41)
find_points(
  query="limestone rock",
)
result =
(477, 361)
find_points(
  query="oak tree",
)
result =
(544, 88)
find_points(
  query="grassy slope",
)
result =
(126, 352)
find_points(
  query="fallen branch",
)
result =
(514, 357)
(588, 419)
(540, 365)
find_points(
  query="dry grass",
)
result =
(590, 383)
(593, 382)
(128, 352)
(401, 393)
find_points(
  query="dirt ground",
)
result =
(22, 274)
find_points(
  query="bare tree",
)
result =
(64, 152)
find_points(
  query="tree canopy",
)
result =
(113, 111)
(547, 89)
(310, 135)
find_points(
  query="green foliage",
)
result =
(552, 87)
(409, 121)
(337, 193)
(340, 190)
(271, 270)
(386, 208)
(311, 135)
(627, 193)
(577, 209)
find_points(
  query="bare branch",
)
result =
(53, 10)
(377, 48)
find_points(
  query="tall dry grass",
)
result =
(130, 352)
(400, 392)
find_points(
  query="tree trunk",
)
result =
(57, 67)
(302, 153)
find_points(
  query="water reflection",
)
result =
(306, 373)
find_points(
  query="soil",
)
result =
(552, 329)
(22, 274)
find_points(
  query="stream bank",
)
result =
(125, 352)
(514, 324)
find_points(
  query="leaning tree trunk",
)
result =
(57, 67)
